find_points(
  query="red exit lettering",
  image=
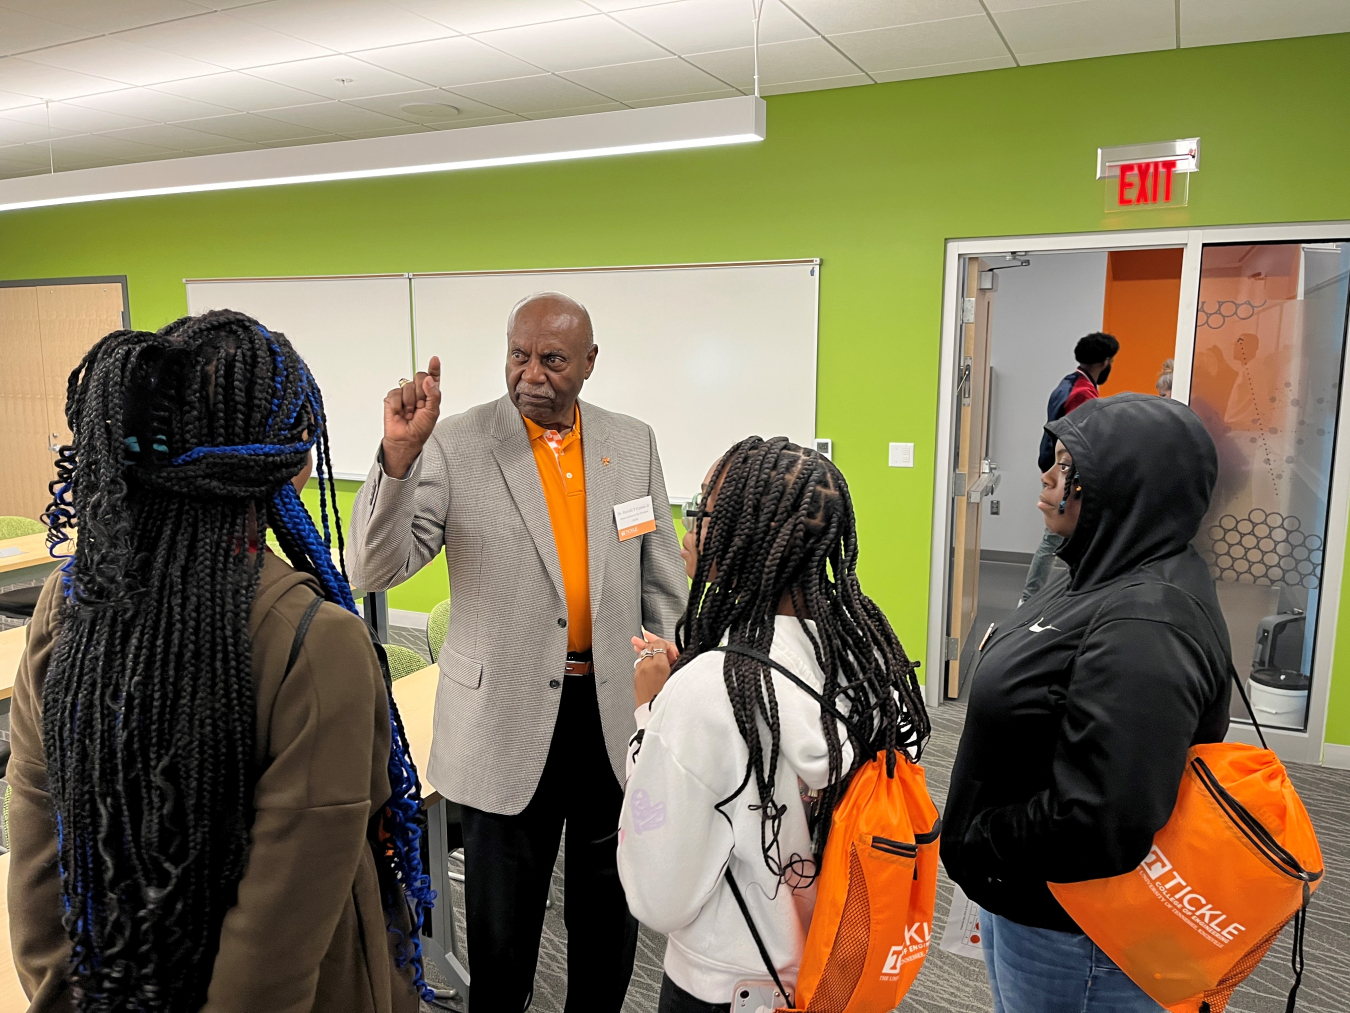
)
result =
(1145, 183)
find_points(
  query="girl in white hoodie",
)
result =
(733, 767)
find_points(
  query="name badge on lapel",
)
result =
(634, 518)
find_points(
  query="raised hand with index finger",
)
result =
(410, 413)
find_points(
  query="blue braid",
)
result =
(247, 449)
(402, 812)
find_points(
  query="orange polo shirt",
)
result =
(563, 476)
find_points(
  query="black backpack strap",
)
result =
(825, 705)
(301, 628)
(759, 943)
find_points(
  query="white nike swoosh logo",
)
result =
(1036, 627)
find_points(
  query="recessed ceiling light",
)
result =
(430, 110)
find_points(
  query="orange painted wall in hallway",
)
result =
(1143, 288)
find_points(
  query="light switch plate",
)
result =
(902, 455)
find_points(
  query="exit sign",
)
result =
(1148, 184)
(1144, 176)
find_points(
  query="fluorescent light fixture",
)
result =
(593, 135)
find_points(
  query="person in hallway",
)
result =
(1082, 708)
(1094, 353)
(1164, 385)
(222, 804)
(535, 705)
(728, 775)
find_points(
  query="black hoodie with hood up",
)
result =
(1084, 702)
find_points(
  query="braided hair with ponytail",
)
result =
(185, 442)
(781, 526)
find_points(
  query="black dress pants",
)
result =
(508, 864)
(676, 1000)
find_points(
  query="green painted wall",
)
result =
(873, 180)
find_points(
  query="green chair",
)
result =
(17, 527)
(403, 661)
(437, 623)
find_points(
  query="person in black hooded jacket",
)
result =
(1084, 702)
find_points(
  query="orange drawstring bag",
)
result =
(873, 918)
(1235, 862)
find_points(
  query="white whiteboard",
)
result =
(354, 333)
(706, 355)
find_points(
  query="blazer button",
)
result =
(554, 684)
(562, 621)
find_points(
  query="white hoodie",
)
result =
(674, 845)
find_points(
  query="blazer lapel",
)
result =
(600, 471)
(515, 457)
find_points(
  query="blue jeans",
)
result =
(1041, 562)
(1044, 971)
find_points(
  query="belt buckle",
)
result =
(577, 667)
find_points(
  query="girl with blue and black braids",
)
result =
(213, 803)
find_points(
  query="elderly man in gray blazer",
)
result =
(558, 537)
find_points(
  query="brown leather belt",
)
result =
(579, 667)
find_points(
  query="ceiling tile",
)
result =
(575, 44)
(49, 83)
(651, 79)
(102, 146)
(24, 132)
(294, 141)
(336, 118)
(247, 127)
(150, 104)
(165, 135)
(670, 100)
(224, 40)
(923, 45)
(95, 17)
(25, 156)
(531, 96)
(399, 128)
(779, 63)
(21, 32)
(343, 25)
(68, 118)
(11, 100)
(705, 26)
(1217, 22)
(610, 6)
(336, 77)
(941, 69)
(121, 61)
(1087, 28)
(853, 80)
(997, 7)
(391, 105)
(604, 107)
(448, 63)
(470, 16)
(238, 91)
(830, 17)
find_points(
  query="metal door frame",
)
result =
(1305, 746)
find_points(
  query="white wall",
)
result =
(1039, 312)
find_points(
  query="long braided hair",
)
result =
(782, 526)
(185, 443)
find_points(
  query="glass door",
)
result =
(1269, 349)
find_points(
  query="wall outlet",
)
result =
(901, 455)
(825, 448)
(993, 507)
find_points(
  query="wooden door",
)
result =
(73, 318)
(972, 428)
(25, 462)
(44, 332)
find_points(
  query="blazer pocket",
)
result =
(457, 667)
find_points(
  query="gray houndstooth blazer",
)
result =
(475, 489)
